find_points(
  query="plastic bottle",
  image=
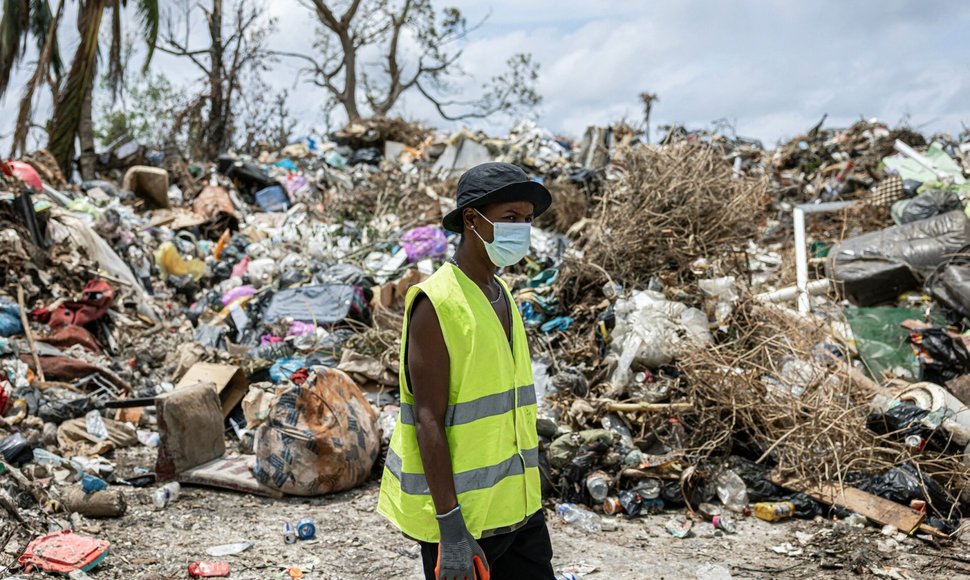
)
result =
(774, 511)
(577, 516)
(166, 494)
(731, 491)
(650, 488)
(46, 458)
(598, 484)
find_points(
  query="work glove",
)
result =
(459, 555)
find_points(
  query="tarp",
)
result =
(879, 266)
(910, 169)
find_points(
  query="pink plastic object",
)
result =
(208, 569)
(236, 293)
(63, 552)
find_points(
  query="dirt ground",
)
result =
(353, 541)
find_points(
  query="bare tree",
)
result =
(231, 52)
(417, 48)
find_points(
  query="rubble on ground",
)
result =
(187, 311)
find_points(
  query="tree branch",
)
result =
(179, 51)
(322, 78)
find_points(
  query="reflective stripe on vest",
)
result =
(487, 406)
(482, 478)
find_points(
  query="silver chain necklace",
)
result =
(498, 294)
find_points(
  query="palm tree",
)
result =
(72, 111)
(72, 104)
(21, 20)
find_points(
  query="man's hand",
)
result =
(459, 555)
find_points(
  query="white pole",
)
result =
(801, 262)
(917, 157)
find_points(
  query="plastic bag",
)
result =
(903, 419)
(170, 263)
(879, 266)
(424, 242)
(941, 357)
(652, 331)
(925, 205)
(950, 283)
(902, 484)
(320, 437)
(573, 477)
(10, 324)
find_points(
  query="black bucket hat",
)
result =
(495, 183)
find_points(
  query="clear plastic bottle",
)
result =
(54, 461)
(732, 491)
(650, 488)
(166, 494)
(598, 484)
(577, 516)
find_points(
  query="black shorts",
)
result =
(525, 553)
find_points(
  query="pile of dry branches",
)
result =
(810, 424)
(674, 205)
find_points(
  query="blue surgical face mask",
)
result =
(510, 241)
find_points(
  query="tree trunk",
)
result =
(217, 112)
(85, 132)
(349, 97)
(69, 108)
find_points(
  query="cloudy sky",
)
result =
(770, 67)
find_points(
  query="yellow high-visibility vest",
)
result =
(490, 423)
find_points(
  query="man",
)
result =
(462, 475)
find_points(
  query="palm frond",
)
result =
(115, 67)
(45, 61)
(14, 28)
(41, 19)
(149, 16)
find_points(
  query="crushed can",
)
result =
(289, 534)
(612, 506)
(306, 529)
(724, 524)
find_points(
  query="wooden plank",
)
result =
(877, 509)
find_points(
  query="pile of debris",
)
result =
(192, 316)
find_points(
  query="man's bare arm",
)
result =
(428, 367)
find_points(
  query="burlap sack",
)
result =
(321, 437)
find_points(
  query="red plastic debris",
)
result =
(208, 569)
(63, 552)
(24, 172)
(4, 397)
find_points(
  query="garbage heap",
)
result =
(688, 377)
(177, 321)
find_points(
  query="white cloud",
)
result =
(773, 67)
